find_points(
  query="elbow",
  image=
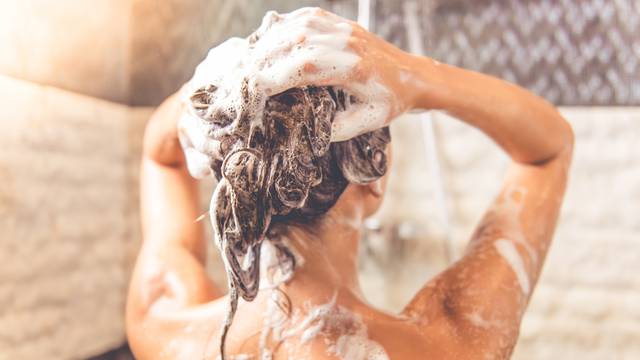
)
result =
(561, 144)
(161, 143)
(162, 147)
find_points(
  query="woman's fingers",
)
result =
(304, 49)
(366, 112)
(318, 65)
(199, 149)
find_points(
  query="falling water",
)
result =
(414, 40)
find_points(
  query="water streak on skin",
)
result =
(509, 209)
(509, 252)
(512, 204)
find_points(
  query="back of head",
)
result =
(277, 167)
(282, 170)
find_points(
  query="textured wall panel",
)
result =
(571, 52)
(67, 217)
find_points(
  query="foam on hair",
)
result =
(285, 51)
(273, 157)
(281, 172)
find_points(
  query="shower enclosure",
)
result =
(74, 105)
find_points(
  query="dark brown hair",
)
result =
(281, 170)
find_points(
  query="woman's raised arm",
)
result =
(483, 296)
(169, 274)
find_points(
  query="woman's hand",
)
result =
(311, 46)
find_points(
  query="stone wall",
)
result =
(67, 221)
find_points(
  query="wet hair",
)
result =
(282, 170)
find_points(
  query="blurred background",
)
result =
(79, 79)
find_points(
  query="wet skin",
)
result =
(472, 310)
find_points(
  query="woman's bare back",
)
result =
(342, 328)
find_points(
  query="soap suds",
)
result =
(344, 333)
(509, 252)
(354, 342)
(315, 316)
(514, 199)
(358, 347)
(280, 325)
(413, 317)
(371, 113)
(476, 319)
(311, 332)
(242, 357)
(260, 116)
(275, 272)
(509, 210)
(237, 77)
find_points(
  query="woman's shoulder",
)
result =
(415, 336)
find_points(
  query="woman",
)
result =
(288, 193)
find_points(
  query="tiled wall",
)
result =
(571, 52)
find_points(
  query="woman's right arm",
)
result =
(526, 126)
(483, 295)
(169, 281)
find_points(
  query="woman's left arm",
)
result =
(482, 297)
(170, 270)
